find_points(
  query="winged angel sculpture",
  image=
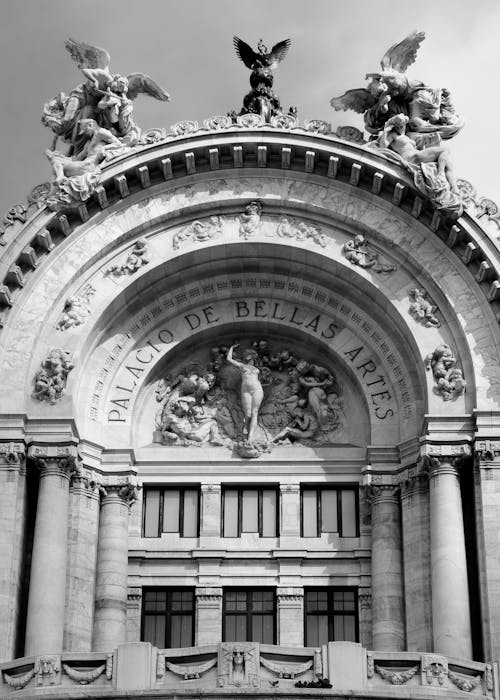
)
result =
(409, 120)
(95, 119)
(391, 92)
(261, 99)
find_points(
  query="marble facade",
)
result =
(77, 444)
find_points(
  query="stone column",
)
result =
(210, 516)
(110, 619)
(208, 615)
(290, 510)
(450, 594)
(387, 570)
(417, 563)
(47, 594)
(12, 526)
(290, 616)
(82, 551)
(134, 607)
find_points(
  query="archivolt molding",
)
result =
(338, 210)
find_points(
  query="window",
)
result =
(250, 510)
(171, 510)
(331, 615)
(249, 615)
(168, 617)
(327, 509)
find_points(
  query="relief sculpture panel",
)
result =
(249, 399)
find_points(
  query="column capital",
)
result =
(364, 599)
(12, 456)
(413, 482)
(210, 488)
(54, 459)
(86, 481)
(208, 594)
(378, 493)
(290, 488)
(487, 450)
(124, 491)
(134, 594)
(289, 594)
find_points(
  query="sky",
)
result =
(186, 46)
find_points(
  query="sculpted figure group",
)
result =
(95, 119)
(410, 120)
(250, 403)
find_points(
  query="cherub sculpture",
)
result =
(422, 309)
(50, 380)
(450, 383)
(358, 252)
(391, 92)
(261, 99)
(104, 97)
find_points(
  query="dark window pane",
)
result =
(190, 525)
(349, 524)
(309, 514)
(316, 630)
(268, 513)
(151, 513)
(171, 507)
(154, 630)
(250, 511)
(231, 514)
(349, 628)
(329, 511)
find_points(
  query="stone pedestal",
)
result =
(290, 616)
(450, 593)
(290, 510)
(47, 594)
(82, 551)
(12, 522)
(208, 615)
(417, 566)
(110, 619)
(387, 570)
(210, 510)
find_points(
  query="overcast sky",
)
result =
(186, 46)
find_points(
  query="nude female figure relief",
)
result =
(252, 392)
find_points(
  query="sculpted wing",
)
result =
(402, 55)
(87, 56)
(138, 82)
(278, 52)
(359, 100)
(244, 52)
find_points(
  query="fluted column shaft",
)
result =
(387, 570)
(110, 620)
(450, 593)
(45, 619)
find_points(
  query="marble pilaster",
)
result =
(47, 592)
(450, 593)
(365, 617)
(416, 562)
(388, 623)
(210, 516)
(110, 617)
(134, 608)
(208, 615)
(12, 525)
(290, 616)
(82, 551)
(290, 510)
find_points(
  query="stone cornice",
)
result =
(292, 149)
